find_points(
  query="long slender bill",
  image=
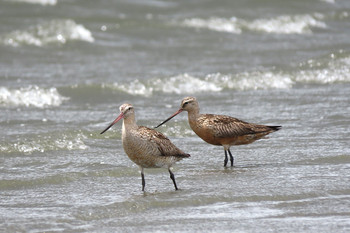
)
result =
(121, 115)
(179, 111)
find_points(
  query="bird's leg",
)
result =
(231, 157)
(226, 159)
(143, 179)
(172, 177)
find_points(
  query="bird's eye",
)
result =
(129, 108)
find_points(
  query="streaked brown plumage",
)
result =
(146, 147)
(220, 129)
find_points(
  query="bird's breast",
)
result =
(205, 132)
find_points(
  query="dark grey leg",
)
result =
(173, 178)
(231, 157)
(226, 159)
(143, 179)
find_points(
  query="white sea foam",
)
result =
(31, 96)
(284, 24)
(252, 80)
(133, 88)
(180, 84)
(216, 24)
(328, 1)
(334, 70)
(41, 2)
(183, 84)
(42, 144)
(52, 32)
(187, 84)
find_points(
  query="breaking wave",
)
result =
(46, 143)
(284, 24)
(186, 84)
(31, 96)
(41, 2)
(335, 70)
(180, 84)
(231, 25)
(52, 32)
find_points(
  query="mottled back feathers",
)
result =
(164, 145)
(221, 126)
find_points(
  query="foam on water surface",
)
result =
(41, 2)
(180, 84)
(53, 32)
(333, 71)
(31, 96)
(44, 143)
(216, 24)
(324, 71)
(284, 24)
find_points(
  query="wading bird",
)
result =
(221, 130)
(146, 147)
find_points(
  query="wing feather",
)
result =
(225, 126)
(163, 144)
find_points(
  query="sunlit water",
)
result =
(66, 66)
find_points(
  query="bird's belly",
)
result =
(150, 161)
(239, 140)
(147, 157)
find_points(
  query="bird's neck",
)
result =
(193, 114)
(129, 123)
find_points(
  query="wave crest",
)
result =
(41, 2)
(31, 96)
(186, 84)
(216, 24)
(335, 71)
(180, 84)
(256, 80)
(40, 144)
(53, 32)
(284, 24)
(321, 71)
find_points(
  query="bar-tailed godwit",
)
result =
(146, 147)
(221, 130)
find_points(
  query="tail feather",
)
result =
(182, 156)
(275, 128)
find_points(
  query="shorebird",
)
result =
(221, 130)
(146, 147)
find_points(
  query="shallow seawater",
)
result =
(66, 67)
